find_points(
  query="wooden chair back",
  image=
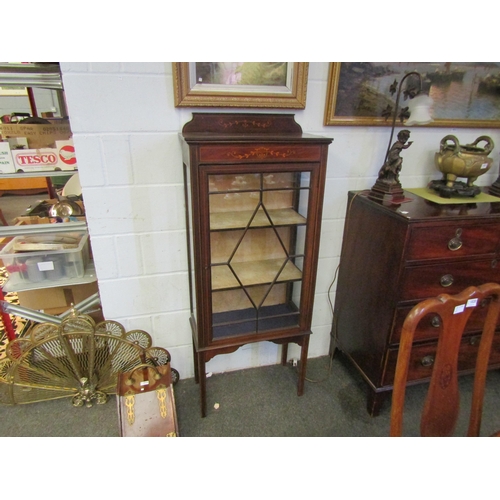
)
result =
(441, 407)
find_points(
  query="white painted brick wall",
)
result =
(126, 130)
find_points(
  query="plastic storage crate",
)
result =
(49, 257)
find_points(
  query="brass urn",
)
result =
(468, 161)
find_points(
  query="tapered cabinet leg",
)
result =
(303, 365)
(203, 385)
(375, 401)
(284, 354)
(195, 359)
(202, 377)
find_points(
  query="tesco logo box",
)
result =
(62, 157)
(66, 155)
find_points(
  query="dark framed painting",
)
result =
(240, 84)
(464, 94)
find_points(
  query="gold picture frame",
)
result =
(189, 93)
(343, 96)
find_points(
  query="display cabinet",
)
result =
(254, 187)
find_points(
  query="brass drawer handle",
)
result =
(436, 321)
(427, 361)
(446, 280)
(456, 243)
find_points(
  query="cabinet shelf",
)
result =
(243, 321)
(238, 220)
(253, 273)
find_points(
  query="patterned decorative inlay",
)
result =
(130, 403)
(262, 153)
(246, 123)
(161, 394)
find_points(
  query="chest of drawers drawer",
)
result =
(421, 282)
(453, 240)
(422, 359)
(428, 329)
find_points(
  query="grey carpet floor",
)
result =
(255, 402)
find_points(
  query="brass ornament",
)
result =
(456, 161)
(76, 359)
(161, 394)
(129, 403)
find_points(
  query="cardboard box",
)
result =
(66, 155)
(35, 160)
(58, 299)
(6, 161)
(18, 142)
(38, 136)
(62, 157)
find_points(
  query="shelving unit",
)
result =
(51, 173)
(43, 76)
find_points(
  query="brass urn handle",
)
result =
(456, 243)
(444, 146)
(489, 144)
(427, 361)
(446, 280)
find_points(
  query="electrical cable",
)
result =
(333, 331)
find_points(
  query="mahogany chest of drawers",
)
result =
(392, 258)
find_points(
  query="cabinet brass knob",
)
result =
(446, 280)
(456, 242)
(427, 360)
(436, 321)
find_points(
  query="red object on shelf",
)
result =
(7, 322)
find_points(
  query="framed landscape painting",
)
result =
(464, 94)
(240, 84)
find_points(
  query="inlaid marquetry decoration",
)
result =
(262, 153)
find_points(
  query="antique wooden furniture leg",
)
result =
(303, 364)
(196, 371)
(202, 381)
(375, 401)
(284, 354)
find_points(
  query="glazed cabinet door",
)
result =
(258, 223)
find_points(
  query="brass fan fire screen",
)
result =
(75, 359)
